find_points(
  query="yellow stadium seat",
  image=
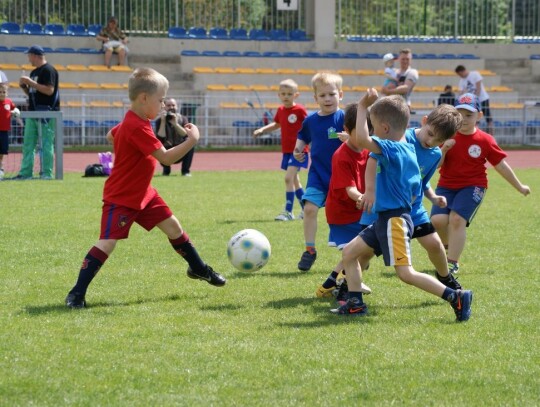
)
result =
(274, 87)
(99, 103)
(14, 85)
(366, 72)
(230, 105)
(88, 85)
(244, 70)
(420, 105)
(59, 67)
(68, 85)
(426, 72)
(98, 68)
(117, 103)
(422, 89)
(223, 69)
(10, 67)
(500, 89)
(260, 88)
(346, 72)
(444, 72)
(237, 87)
(28, 67)
(216, 87)
(112, 86)
(265, 71)
(496, 105)
(359, 88)
(515, 105)
(74, 103)
(346, 88)
(312, 106)
(285, 71)
(486, 72)
(304, 88)
(77, 67)
(121, 68)
(302, 71)
(203, 69)
(273, 105)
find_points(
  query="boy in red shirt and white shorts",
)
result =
(128, 195)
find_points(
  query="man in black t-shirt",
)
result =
(41, 87)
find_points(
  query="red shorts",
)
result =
(116, 220)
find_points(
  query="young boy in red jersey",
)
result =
(347, 184)
(289, 118)
(463, 178)
(128, 195)
(7, 109)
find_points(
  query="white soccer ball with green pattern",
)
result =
(249, 250)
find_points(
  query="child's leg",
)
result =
(94, 259)
(298, 190)
(289, 188)
(310, 224)
(425, 282)
(436, 253)
(355, 250)
(457, 234)
(440, 222)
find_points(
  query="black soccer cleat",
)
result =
(76, 301)
(211, 277)
(306, 261)
(450, 281)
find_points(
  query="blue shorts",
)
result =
(340, 235)
(288, 160)
(315, 196)
(4, 142)
(465, 201)
(390, 236)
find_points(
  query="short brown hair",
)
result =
(392, 110)
(289, 83)
(445, 121)
(349, 119)
(146, 80)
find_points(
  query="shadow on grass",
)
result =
(61, 307)
(272, 274)
(232, 221)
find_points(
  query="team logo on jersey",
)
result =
(122, 221)
(332, 133)
(475, 151)
(7, 107)
(292, 118)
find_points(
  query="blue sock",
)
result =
(356, 296)
(449, 295)
(289, 201)
(331, 280)
(299, 194)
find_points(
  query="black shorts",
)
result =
(486, 110)
(423, 230)
(4, 142)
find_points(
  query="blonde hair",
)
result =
(146, 80)
(326, 78)
(445, 121)
(289, 83)
(392, 110)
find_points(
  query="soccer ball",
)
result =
(248, 250)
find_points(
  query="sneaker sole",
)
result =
(209, 281)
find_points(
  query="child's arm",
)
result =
(508, 174)
(368, 199)
(169, 157)
(448, 144)
(363, 139)
(110, 137)
(269, 128)
(298, 153)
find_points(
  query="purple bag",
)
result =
(106, 160)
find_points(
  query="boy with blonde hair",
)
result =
(128, 196)
(320, 131)
(288, 118)
(398, 184)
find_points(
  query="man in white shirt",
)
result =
(407, 77)
(471, 82)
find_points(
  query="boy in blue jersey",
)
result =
(440, 125)
(398, 184)
(320, 130)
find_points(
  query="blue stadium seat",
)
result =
(65, 50)
(89, 51)
(279, 35)
(232, 54)
(19, 48)
(513, 123)
(414, 123)
(292, 54)
(272, 54)
(78, 30)
(190, 53)
(238, 34)
(178, 33)
(218, 33)
(47, 50)
(447, 56)
(467, 56)
(197, 33)
(109, 123)
(536, 56)
(94, 29)
(252, 54)
(298, 35)
(54, 29)
(71, 124)
(91, 123)
(311, 54)
(258, 34)
(425, 56)
(351, 55)
(332, 55)
(32, 29)
(371, 55)
(3, 48)
(211, 53)
(10, 28)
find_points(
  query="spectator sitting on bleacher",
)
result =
(114, 41)
(447, 97)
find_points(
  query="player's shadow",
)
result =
(259, 274)
(248, 221)
(36, 310)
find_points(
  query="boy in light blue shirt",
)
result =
(397, 185)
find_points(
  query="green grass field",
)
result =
(153, 337)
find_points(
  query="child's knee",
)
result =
(405, 274)
(457, 221)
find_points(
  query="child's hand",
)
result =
(192, 132)
(343, 136)
(369, 98)
(257, 133)
(366, 202)
(300, 156)
(525, 190)
(439, 201)
(448, 144)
